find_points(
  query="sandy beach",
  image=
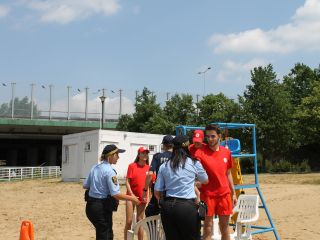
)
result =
(57, 208)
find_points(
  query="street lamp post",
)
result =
(13, 84)
(102, 98)
(50, 100)
(204, 79)
(31, 101)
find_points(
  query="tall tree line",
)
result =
(286, 112)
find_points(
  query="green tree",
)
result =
(159, 124)
(146, 108)
(267, 104)
(308, 113)
(299, 82)
(125, 122)
(217, 108)
(22, 108)
(180, 110)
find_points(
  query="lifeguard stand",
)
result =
(182, 130)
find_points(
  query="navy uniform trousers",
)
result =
(101, 218)
(180, 219)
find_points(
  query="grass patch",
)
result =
(312, 181)
(284, 178)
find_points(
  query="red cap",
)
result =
(143, 149)
(198, 136)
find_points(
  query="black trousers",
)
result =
(100, 218)
(180, 219)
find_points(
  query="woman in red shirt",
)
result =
(135, 182)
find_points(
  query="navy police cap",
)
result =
(111, 149)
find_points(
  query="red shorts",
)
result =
(218, 205)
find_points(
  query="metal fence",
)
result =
(21, 173)
(36, 101)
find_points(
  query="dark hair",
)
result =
(213, 127)
(137, 159)
(179, 156)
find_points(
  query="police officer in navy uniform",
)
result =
(103, 193)
(176, 177)
(159, 158)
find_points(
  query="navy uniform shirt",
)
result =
(180, 183)
(158, 159)
(102, 181)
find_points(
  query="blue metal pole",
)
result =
(268, 214)
(254, 150)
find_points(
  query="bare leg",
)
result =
(207, 228)
(129, 214)
(140, 215)
(224, 227)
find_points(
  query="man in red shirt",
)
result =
(219, 192)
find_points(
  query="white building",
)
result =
(80, 151)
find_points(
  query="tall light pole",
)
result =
(204, 79)
(86, 106)
(102, 98)
(31, 101)
(120, 102)
(68, 104)
(50, 100)
(13, 84)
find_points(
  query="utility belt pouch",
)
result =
(202, 210)
(86, 195)
(162, 197)
(111, 204)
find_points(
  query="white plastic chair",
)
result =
(134, 220)
(152, 226)
(248, 212)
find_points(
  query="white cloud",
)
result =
(232, 71)
(4, 11)
(65, 11)
(302, 33)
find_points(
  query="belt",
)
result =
(98, 199)
(91, 199)
(178, 199)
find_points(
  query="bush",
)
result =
(303, 166)
(286, 166)
(280, 166)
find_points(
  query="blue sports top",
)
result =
(102, 181)
(180, 183)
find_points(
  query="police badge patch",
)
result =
(115, 180)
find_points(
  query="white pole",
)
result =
(86, 105)
(68, 87)
(12, 98)
(31, 100)
(50, 100)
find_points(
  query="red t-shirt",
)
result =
(137, 175)
(193, 150)
(216, 163)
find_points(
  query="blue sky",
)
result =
(162, 45)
